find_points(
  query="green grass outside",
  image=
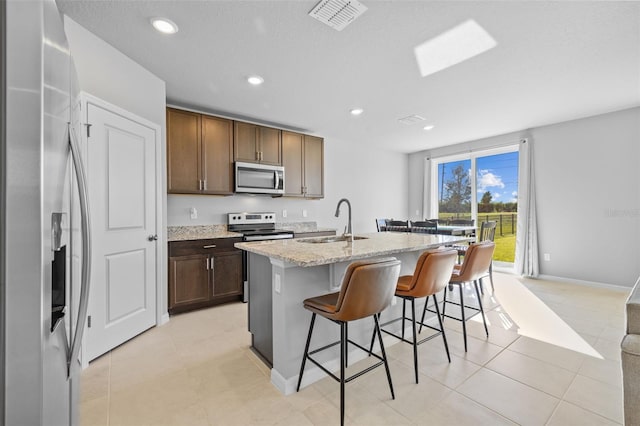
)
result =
(506, 243)
(505, 248)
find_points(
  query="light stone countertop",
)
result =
(199, 232)
(202, 232)
(303, 254)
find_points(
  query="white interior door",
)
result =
(121, 164)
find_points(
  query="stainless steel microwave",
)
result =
(255, 178)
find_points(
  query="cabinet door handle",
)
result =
(209, 246)
(199, 185)
(204, 185)
(211, 261)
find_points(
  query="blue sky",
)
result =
(497, 174)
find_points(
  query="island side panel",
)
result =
(260, 305)
(291, 320)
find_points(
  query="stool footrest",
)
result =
(355, 375)
(439, 332)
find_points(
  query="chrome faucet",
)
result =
(348, 229)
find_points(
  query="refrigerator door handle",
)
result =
(85, 225)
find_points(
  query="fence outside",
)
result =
(506, 222)
(506, 227)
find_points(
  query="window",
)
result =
(483, 186)
(454, 190)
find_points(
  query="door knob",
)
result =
(152, 237)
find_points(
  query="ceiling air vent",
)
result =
(411, 119)
(337, 13)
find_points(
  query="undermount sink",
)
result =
(331, 239)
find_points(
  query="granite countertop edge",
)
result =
(376, 244)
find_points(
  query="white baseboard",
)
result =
(582, 282)
(164, 318)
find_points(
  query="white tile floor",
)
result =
(535, 368)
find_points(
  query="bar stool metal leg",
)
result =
(346, 337)
(384, 356)
(464, 320)
(486, 330)
(404, 306)
(415, 337)
(306, 351)
(440, 319)
(444, 301)
(343, 360)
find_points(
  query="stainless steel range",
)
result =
(255, 227)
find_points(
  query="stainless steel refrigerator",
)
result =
(44, 219)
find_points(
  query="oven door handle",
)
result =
(268, 237)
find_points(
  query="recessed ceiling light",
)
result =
(452, 47)
(164, 25)
(356, 111)
(429, 127)
(256, 80)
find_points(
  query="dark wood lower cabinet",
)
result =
(204, 273)
(188, 281)
(227, 274)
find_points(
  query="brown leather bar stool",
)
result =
(487, 233)
(367, 289)
(475, 265)
(432, 273)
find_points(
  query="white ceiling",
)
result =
(554, 61)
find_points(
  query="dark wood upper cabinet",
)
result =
(217, 155)
(183, 151)
(201, 150)
(313, 167)
(303, 161)
(257, 144)
(292, 160)
(199, 153)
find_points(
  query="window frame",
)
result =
(431, 192)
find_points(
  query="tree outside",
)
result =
(455, 192)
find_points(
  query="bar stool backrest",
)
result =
(433, 271)
(476, 261)
(367, 288)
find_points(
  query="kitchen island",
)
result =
(283, 273)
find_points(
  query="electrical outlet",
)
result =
(304, 213)
(277, 284)
(194, 213)
(284, 213)
(547, 257)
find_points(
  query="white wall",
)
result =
(588, 194)
(375, 183)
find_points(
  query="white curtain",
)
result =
(526, 261)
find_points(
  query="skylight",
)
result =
(456, 45)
